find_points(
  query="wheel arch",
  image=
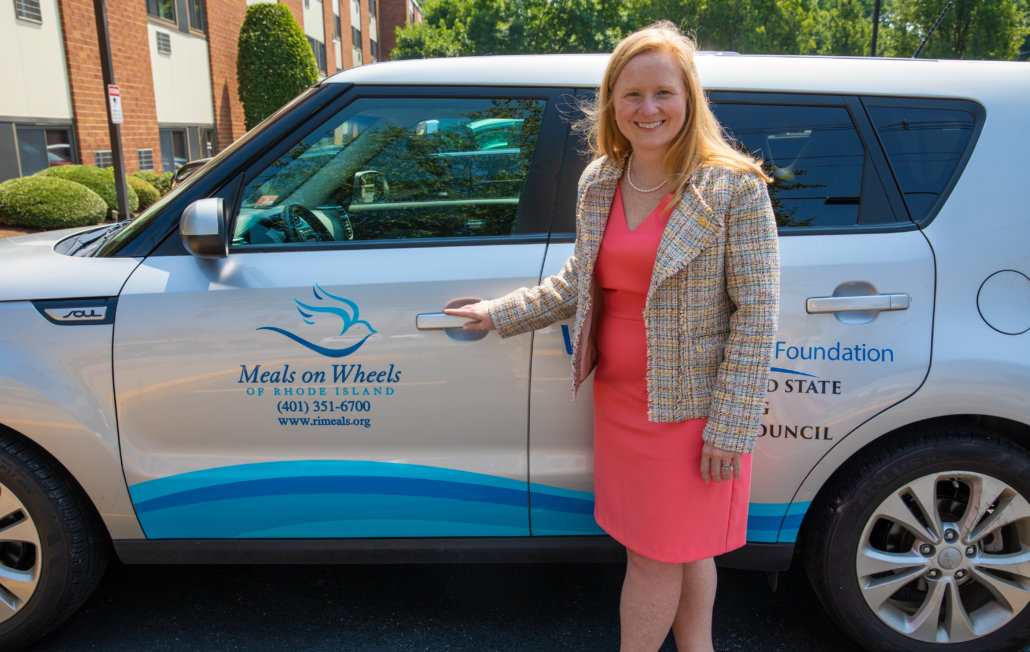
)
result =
(1012, 430)
(7, 432)
(89, 469)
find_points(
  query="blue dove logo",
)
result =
(345, 309)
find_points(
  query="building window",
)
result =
(372, 8)
(174, 152)
(318, 48)
(355, 37)
(145, 158)
(59, 147)
(164, 43)
(162, 9)
(337, 32)
(411, 13)
(195, 8)
(207, 142)
(102, 158)
(28, 10)
(42, 147)
(374, 46)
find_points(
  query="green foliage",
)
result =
(422, 40)
(162, 181)
(49, 202)
(147, 193)
(985, 29)
(972, 29)
(756, 26)
(98, 180)
(844, 28)
(274, 62)
(471, 27)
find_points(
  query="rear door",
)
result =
(306, 385)
(856, 289)
(856, 307)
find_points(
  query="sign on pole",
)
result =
(114, 96)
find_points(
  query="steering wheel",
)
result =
(305, 226)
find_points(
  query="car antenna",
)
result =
(937, 22)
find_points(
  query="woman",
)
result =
(674, 287)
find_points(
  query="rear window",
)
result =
(822, 175)
(925, 147)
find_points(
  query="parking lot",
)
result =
(420, 607)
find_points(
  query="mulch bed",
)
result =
(8, 231)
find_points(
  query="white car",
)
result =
(258, 367)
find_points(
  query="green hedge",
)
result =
(147, 193)
(98, 180)
(160, 180)
(49, 202)
(274, 61)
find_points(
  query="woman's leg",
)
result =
(650, 598)
(693, 624)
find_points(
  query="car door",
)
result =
(856, 289)
(307, 384)
(856, 307)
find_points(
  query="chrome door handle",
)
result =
(437, 321)
(881, 302)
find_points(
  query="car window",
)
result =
(395, 169)
(924, 147)
(822, 174)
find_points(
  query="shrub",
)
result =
(98, 180)
(49, 202)
(147, 193)
(160, 180)
(274, 61)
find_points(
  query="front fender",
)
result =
(56, 389)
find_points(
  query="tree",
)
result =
(972, 29)
(472, 27)
(843, 28)
(274, 62)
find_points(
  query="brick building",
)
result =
(175, 64)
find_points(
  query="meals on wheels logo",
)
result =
(327, 306)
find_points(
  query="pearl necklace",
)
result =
(629, 178)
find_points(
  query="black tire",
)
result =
(877, 504)
(50, 535)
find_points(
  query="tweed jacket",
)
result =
(711, 308)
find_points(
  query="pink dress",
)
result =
(649, 495)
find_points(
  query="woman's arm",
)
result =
(753, 285)
(525, 309)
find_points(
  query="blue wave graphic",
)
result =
(348, 313)
(361, 499)
(317, 348)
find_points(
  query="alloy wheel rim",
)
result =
(20, 554)
(944, 558)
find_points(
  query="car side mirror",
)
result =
(370, 187)
(203, 228)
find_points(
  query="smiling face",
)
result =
(650, 102)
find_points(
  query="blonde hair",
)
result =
(700, 142)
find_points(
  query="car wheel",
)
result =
(925, 544)
(52, 553)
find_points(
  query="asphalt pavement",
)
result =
(539, 607)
